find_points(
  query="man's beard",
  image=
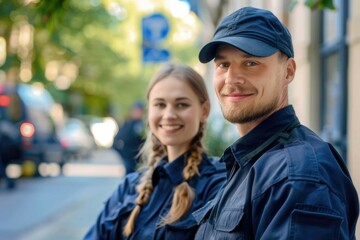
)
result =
(251, 113)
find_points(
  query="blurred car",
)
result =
(76, 138)
(10, 153)
(26, 109)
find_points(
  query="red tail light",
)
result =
(4, 100)
(64, 143)
(27, 129)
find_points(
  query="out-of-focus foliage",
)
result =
(218, 138)
(315, 4)
(93, 46)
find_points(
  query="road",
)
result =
(63, 207)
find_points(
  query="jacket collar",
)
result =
(174, 170)
(257, 136)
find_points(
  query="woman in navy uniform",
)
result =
(157, 202)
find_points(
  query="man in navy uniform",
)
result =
(130, 137)
(283, 181)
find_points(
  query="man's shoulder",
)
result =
(298, 160)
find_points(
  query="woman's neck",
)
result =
(174, 152)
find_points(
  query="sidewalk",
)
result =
(103, 163)
(60, 208)
(72, 222)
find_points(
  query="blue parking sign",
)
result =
(155, 55)
(155, 28)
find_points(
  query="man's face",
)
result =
(249, 88)
(137, 113)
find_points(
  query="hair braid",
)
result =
(195, 158)
(184, 194)
(145, 187)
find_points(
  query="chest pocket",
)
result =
(316, 224)
(185, 229)
(114, 221)
(205, 230)
(203, 213)
(229, 224)
(229, 219)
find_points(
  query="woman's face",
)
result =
(175, 113)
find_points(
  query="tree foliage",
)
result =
(320, 4)
(105, 48)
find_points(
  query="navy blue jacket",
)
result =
(129, 139)
(283, 182)
(112, 219)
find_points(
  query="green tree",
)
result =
(92, 46)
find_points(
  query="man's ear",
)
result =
(290, 70)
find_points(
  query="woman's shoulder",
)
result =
(211, 178)
(129, 182)
(132, 177)
(216, 162)
(211, 165)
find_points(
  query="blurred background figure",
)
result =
(130, 137)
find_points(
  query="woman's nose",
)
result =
(169, 113)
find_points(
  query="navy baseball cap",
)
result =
(139, 105)
(255, 31)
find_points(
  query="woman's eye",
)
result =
(182, 105)
(159, 105)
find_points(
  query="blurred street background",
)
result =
(70, 71)
(62, 207)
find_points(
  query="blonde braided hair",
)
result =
(184, 194)
(153, 151)
(145, 186)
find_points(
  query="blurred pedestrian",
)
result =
(130, 137)
(285, 182)
(156, 202)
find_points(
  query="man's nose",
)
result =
(234, 76)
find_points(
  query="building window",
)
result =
(334, 76)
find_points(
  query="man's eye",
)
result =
(251, 64)
(223, 65)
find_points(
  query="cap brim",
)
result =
(249, 45)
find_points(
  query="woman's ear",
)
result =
(205, 111)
